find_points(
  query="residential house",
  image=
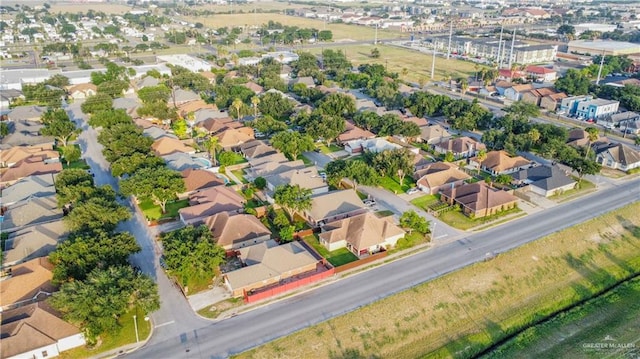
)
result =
(514, 93)
(332, 206)
(31, 166)
(32, 186)
(130, 105)
(618, 156)
(192, 106)
(375, 145)
(268, 263)
(231, 138)
(181, 96)
(461, 147)
(33, 210)
(31, 113)
(234, 231)
(147, 81)
(8, 96)
(544, 180)
(569, 105)
(580, 138)
(478, 199)
(552, 102)
(499, 162)
(257, 89)
(487, 91)
(32, 242)
(433, 134)
(266, 169)
(632, 127)
(439, 175)
(362, 234)
(597, 108)
(179, 161)
(535, 96)
(508, 75)
(541, 74)
(307, 177)
(306, 80)
(255, 149)
(209, 202)
(12, 156)
(197, 179)
(421, 122)
(209, 76)
(502, 86)
(207, 113)
(82, 91)
(157, 133)
(353, 132)
(216, 125)
(37, 331)
(26, 283)
(167, 146)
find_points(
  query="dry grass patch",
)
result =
(340, 31)
(79, 7)
(462, 313)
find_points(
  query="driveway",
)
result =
(398, 206)
(319, 159)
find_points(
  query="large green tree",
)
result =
(109, 117)
(275, 105)
(573, 83)
(293, 198)
(159, 184)
(96, 303)
(122, 140)
(394, 162)
(128, 165)
(413, 221)
(58, 125)
(79, 254)
(96, 213)
(191, 254)
(338, 104)
(292, 144)
(97, 103)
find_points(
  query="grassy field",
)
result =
(336, 258)
(340, 31)
(614, 315)
(462, 313)
(396, 59)
(107, 8)
(126, 335)
(153, 212)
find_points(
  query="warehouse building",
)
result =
(598, 47)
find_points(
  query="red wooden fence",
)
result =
(270, 292)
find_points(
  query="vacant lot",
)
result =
(79, 7)
(417, 64)
(340, 31)
(611, 318)
(465, 312)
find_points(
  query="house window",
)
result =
(45, 354)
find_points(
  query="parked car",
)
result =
(412, 190)
(369, 202)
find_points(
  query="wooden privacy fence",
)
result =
(285, 287)
(360, 262)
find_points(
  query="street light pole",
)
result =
(135, 325)
(433, 231)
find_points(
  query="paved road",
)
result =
(175, 317)
(236, 334)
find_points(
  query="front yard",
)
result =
(392, 184)
(457, 219)
(583, 187)
(153, 212)
(327, 150)
(337, 258)
(425, 201)
(410, 240)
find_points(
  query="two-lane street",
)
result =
(223, 338)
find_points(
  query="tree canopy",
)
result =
(96, 213)
(573, 83)
(97, 103)
(413, 221)
(58, 125)
(275, 105)
(292, 144)
(159, 184)
(293, 198)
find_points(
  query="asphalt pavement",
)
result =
(245, 331)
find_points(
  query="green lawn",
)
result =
(458, 220)
(332, 148)
(425, 201)
(240, 174)
(126, 335)
(582, 188)
(385, 213)
(237, 158)
(307, 162)
(392, 184)
(153, 212)
(410, 240)
(336, 258)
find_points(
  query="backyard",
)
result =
(336, 258)
(153, 212)
(465, 312)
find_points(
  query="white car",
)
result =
(413, 190)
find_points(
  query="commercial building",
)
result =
(606, 47)
(188, 62)
(580, 28)
(490, 49)
(595, 109)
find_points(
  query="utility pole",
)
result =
(500, 48)
(600, 68)
(375, 40)
(450, 35)
(513, 42)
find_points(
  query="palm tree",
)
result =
(255, 100)
(514, 68)
(212, 146)
(237, 104)
(476, 66)
(464, 85)
(534, 136)
(481, 156)
(592, 136)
